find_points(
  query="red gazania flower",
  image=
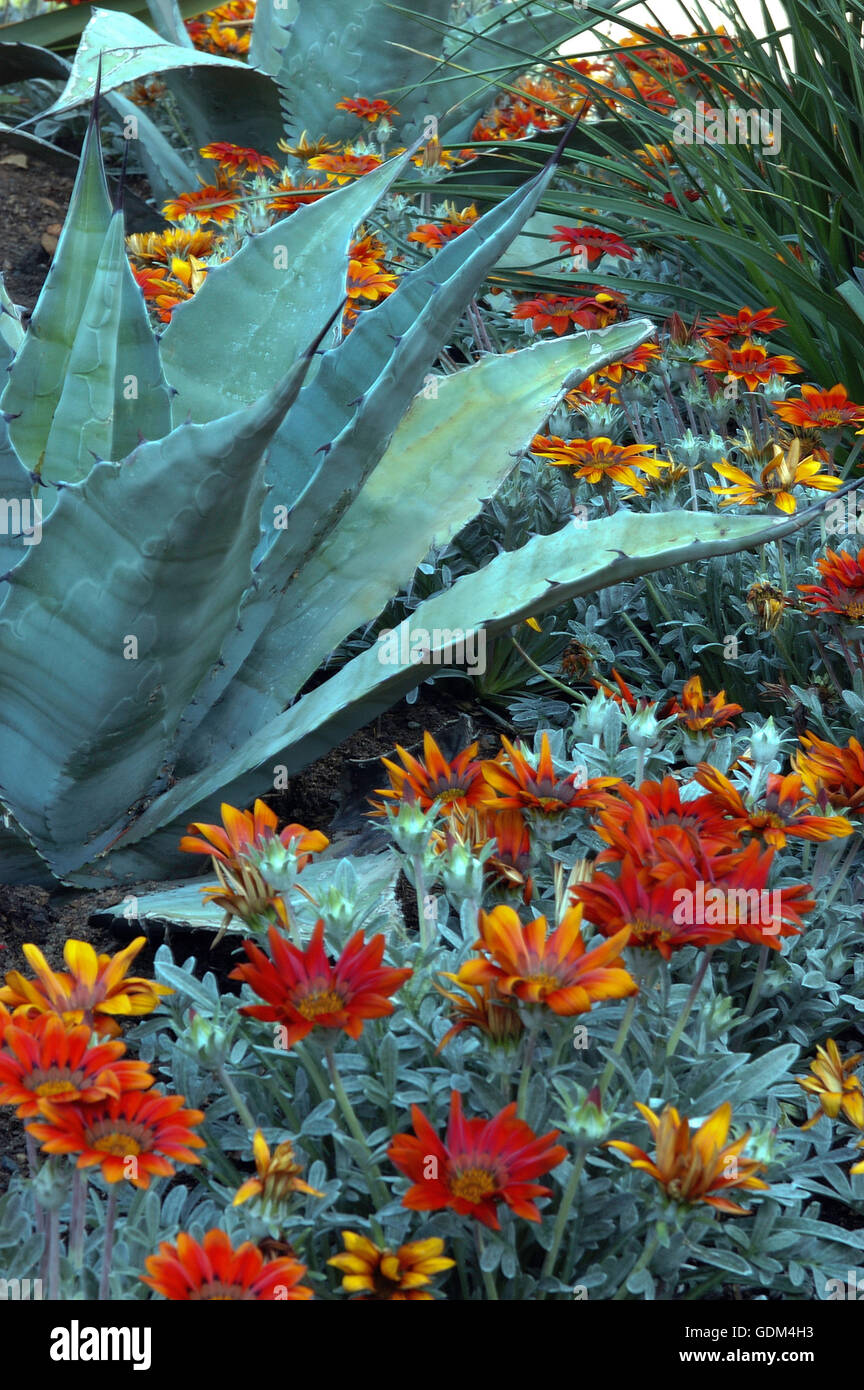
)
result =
(303, 990)
(651, 825)
(45, 1059)
(598, 459)
(214, 1269)
(539, 788)
(743, 324)
(238, 159)
(755, 913)
(843, 590)
(821, 410)
(672, 200)
(365, 110)
(342, 167)
(785, 811)
(209, 203)
(559, 311)
(433, 780)
(550, 969)
(132, 1136)
(95, 990)
(437, 234)
(750, 363)
(636, 361)
(593, 242)
(244, 830)
(367, 276)
(480, 1164)
(831, 774)
(654, 913)
(623, 695)
(289, 197)
(701, 713)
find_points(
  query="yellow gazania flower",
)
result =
(695, 1167)
(858, 1167)
(158, 248)
(834, 1086)
(278, 1175)
(776, 480)
(376, 1275)
(598, 459)
(307, 149)
(92, 991)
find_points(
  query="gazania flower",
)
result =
(303, 990)
(592, 243)
(214, 31)
(287, 197)
(480, 1164)
(485, 1008)
(821, 410)
(652, 825)
(539, 788)
(214, 1269)
(209, 203)
(47, 1059)
(699, 1167)
(95, 990)
(455, 222)
(672, 200)
(278, 1175)
(433, 780)
(843, 589)
(592, 391)
(834, 1086)
(741, 895)
(599, 459)
(776, 480)
(339, 168)
(375, 1275)
(131, 1136)
(367, 276)
(636, 361)
(768, 604)
(160, 248)
(238, 159)
(305, 148)
(750, 363)
(559, 311)
(831, 774)
(743, 324)
(365, 110)
(701, 713)
(785, 811)
(650, 912)
(554, 970)
(242, 831)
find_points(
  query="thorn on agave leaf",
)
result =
(325, 448)
(358, 400)
(12, 415)
(396, 337)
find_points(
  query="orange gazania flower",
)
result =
(594, 242)
(834, 1086)
(750, 363)
(214, 31)
(652, 825)
(598, 459)
(785, 812)
(367, 277)
(700, 1167)
(636, 361)
(843, 589)
(238, 159)
(289, 197)
(209, 203)
(303, 990)
(242, 831)
(743, 324)
(559, 311)
(348, 165)
(370, 111)
(455, 222)
(214, 1270)
(701, 713)
(94, 990)
(145, 1126)
(554, 970)
(376, 1275)
(161, 247)
(539, 788)
(483, 1007)
(481, 1163)
(831, 774)
(433, 780)
(821, 410)
(649, 912)
(277, 1175)
(752, 912)
(47, 1059)
(776, 480)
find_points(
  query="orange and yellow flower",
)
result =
(559, 311)
(242, 831)
(830, 773)
(540, 789)
(555, 969)
(239, 159)
(339, 168)
(454, 222)
(751, 363)
(366, 110)
(780, 475)
(480, 1164)
(277, 1175)
(367, 276)
(843, 589)
(132, 1136)
(95, 990)
(598, 460)
(432, 780)
(821, 410)
(785, 812)
(743, 324)
(697, 1167)
(209, 203)
(701, 713)
(217, 31)
(304, 990)
(45, 1059)
(834, 1085)
(484, 1007)
(213, 1269)
(287, 197)
(375, 1275)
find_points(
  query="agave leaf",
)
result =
(59, 29)
(168, 21)
(541, 575)
(11, 328)
(114, 393)
(37, 373)
(20, 861)
(270, 33)
(260, 307)
(173, 527)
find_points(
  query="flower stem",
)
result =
(618, 1048)
(488, 1280)
(77, 1217)
(675, 1036)
(377, 1189)
(420, 891)
(522, 1093)
(564, 1210)
(54, 1254)
(236, 1099)
(643, 1262)
(756, 987)
(108, 1250)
